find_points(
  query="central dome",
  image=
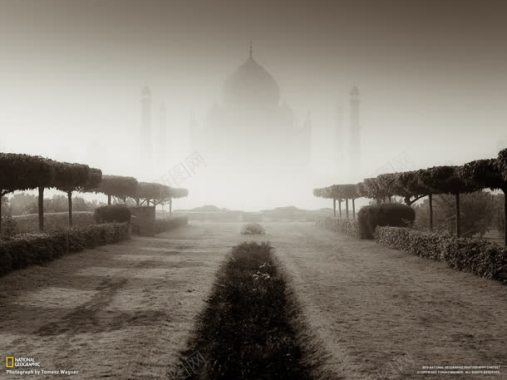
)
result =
(251, 85)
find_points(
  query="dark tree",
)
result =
(24, 172)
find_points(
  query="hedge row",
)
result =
(348, 227)
(480, 257)
(163, 225)
(37, 249)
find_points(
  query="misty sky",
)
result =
(432, 74)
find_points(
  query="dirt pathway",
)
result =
(124, 311)
(383, 313)
(119, 311)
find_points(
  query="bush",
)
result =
(388, 214)
(478, 256)
(424, 244)
(112, 214)
(30, 249)
(162, 225)
(347, 227)
(8, 227)
(252, 229)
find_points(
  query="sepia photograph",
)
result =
(253, 189)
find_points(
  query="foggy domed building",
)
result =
(250, 124)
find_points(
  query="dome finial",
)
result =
(251, 49)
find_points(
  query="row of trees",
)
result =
(413, 185)
(144, 193)
(25, 172)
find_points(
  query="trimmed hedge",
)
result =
(347, 227)
(37, 249)
(480, 257)
(388, 214)
(112, 214)
(163, 225)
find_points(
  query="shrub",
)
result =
(424, 244)
(388, 214)
(252, 229)
(112, 214)
(162, 225)
(8, 227)
(29, 249)
(478, 256)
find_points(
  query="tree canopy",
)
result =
(117, 186)
(486, 173)
(24, 172)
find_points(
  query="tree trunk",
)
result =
(109, 199)
(1, 197)
(69, 197)
(41, 208)
(170, 206)
(334, 207)
(458, 216)
(353, 209)
(430, 198)
(505, 215)
(347, 208)
(340, 207)
(137, 202)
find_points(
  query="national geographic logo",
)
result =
(9, 362)
(15, 362)
(28, 366)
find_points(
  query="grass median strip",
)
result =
(246, 332)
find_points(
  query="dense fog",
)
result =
(244, 102)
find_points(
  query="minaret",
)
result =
(145, 135)
(355, 132)
(340, 134)
(162, 136)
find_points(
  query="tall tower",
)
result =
(339, 134)
(355, 132)
(162, 136)
(146, 158)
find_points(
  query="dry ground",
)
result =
(119, 311)
(384, 313)
(123, 311)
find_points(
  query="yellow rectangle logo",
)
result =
(9, 362)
